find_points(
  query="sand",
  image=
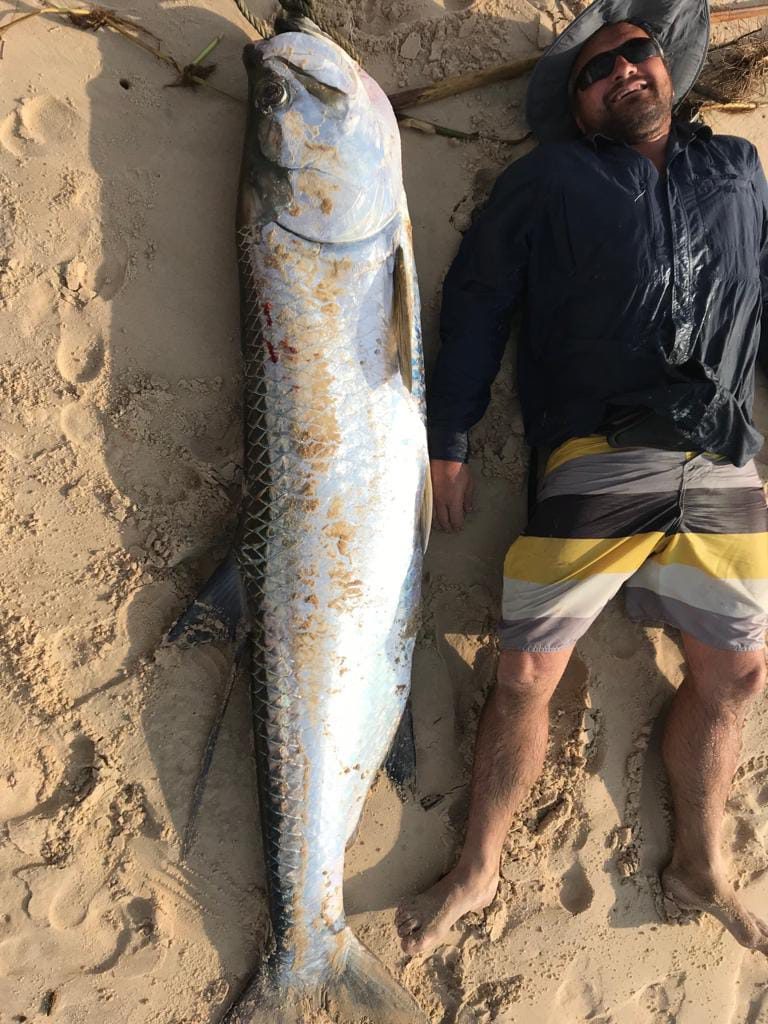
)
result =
(119, 456)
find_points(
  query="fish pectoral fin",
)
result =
(403, 316)
(216, 612)
(425, 512)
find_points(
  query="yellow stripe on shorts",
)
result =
(555, 559)
(722, 555)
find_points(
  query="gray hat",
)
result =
(680, 26)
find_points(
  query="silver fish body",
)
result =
(333, 525)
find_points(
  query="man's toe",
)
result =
(759, 935)
(404, 913)
(414, 944)
(407, 924)
(745, 928)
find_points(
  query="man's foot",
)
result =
(423, 922)
(716, 896)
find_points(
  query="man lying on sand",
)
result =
(637, 248)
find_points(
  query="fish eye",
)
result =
(271, 94)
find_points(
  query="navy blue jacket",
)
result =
(637, 291)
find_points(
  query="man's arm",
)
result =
(481, 289)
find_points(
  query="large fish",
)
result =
(336, 509)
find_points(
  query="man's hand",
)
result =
(452, 487)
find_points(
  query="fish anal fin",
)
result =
(400, 764)
(403, 315)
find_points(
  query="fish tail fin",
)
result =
(362, 992)
(217, 610)
(366, 993)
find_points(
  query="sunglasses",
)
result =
(634, 51)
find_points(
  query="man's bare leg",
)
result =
(701, 749)
(509, 755)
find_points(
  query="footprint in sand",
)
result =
(79, 360)
(36, 785)
(39, 121)
(10, 140)
(576, 893)
(125, 936)
(81, 425)
(577, 998)
(77, 890)
(110, 276)
(490, 1001)
(144, 618)
(663, 1000)
(60, 897)
(47, 120)
(142, 942)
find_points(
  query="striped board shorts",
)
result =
(686, 533)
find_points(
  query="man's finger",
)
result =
(456, 516)
(442, 517)
(469, 495)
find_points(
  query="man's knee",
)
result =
(750, 683)
(735, 680)
(530, 677)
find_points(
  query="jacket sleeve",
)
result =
(762, 193)
(483, 285)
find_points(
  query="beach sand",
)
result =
(120, 441)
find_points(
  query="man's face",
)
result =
(634, 102)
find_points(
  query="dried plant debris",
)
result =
(736, 73)
(92, 18)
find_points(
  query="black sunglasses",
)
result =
(634, 51)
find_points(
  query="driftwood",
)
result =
(461, 83)
(515, 69)
(737, 13)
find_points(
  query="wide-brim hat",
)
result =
(680, 26)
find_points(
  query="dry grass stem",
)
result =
(738, 39)
(734, 108)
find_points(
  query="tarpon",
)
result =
(336, 509)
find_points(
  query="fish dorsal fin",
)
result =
(403, 318)
(425, 514)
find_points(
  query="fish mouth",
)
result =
(621, 92)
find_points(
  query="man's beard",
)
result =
(640, 119)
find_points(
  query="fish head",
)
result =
(322, 147)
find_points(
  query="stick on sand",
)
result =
(461, 83)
